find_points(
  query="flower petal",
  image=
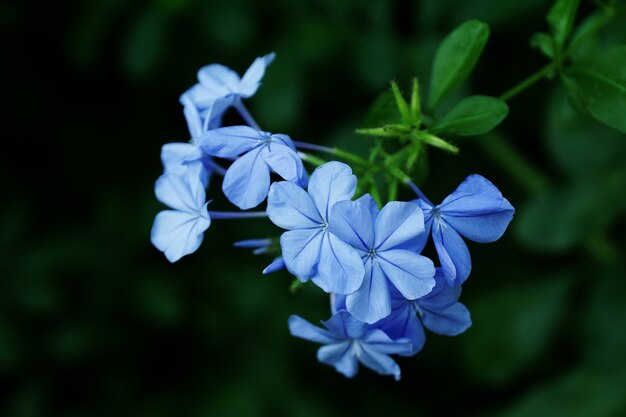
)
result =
(252, 78)
(218, 80)
(398, 223)
(176, 233)
(378, 362)
(404, 323)
(283, 161)
(411, 274)
(231, 141)
(299, 327)
(182, 193)
(277, 264)
(340, 268)
(340, 356)
(379, 341)
(371, 301)
(175, 155)
(247, 181)
(449, 321)
(483, 228)
(290, 207)
(454, 256)
(301, 251)
(345, 325)
(352, 222)
(330, 183)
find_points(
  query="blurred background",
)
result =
(95, 322)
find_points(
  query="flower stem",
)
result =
(527, 82)
(311, 159)
(247, 117)
(223, 215)
(419, 192)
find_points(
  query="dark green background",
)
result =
(95, 322)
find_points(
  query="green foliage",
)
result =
(455, 59)
(472, 116)
(561, 19)
(601, 85)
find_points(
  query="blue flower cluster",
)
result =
(383, 291)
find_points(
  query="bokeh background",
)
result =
(95, 322)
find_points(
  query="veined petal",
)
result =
(182, 193)
(346, 326)
(475, 195)
(411, 274)
(403, 323)
(301, 251)
(454, 256)
(340, 356)
(284, 139)
(378, 362)
(340, 268)
(398, 223)
(448, 321)
(483, 228)
(283, 161)
(371, 301)
(231, 141)
(299, 327)
(192, 116)
(290, 207)
(442, 295)
(330, 183)
(213, 113)
(176, 233)
(199, 96)
(352, 222)
(379, 341)
(247, 180)
(252, 78)
(218, 80)
(174, 156)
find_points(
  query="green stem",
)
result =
(311, 159)
(524, 84)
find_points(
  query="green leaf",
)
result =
(585, 36)
(561, 19)
(513, 327)
(544, 43)
(455, 58)
(383, 111)
(601, 86)
(474, 115)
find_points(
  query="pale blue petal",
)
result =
(453, 254)
(337, 303)
(277, 264)
(483, 228)
(176, 155)
(442, 295)
(176, 233)
(247, 181)
(379, 341)
(340, 356)
(340, 268)
(218, 80)
(290, 207)
(475, 195)
(182, 193)
(330, 183)
(199, 96)
(345, 326)
(284, 139)
(192, 116)
(301, 251)
(213, 114)
(404, 323)
(410, 273)
(299, 327)
(352, 222)
(449, 321)
(371, 301)
(251, 80)
(283, 161)
(398, 223)
(378, 362)
(231, 141)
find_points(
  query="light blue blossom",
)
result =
(380, 239)
(349, 341)
(309, 250)
(247, 180)
(476, 210)
(219, 88)
(262, 246)
(439, 311)
(179, 231)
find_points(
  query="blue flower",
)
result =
(309, 250)
(220, 87)
(381, 238)
(177, 156)
(247, 180)
(439, 311)
(179, 232)
(476, 210)
(260, 247)
(349, 341)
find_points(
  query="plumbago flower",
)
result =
(219, 88)
(247, 180)
(349, 341)
(476, 210)
(310, 250)
(439, 311)
(179, 231)
(380, 238)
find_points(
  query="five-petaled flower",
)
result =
(349, 341)
(476, 210)
(310, 251)
(381, 238)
